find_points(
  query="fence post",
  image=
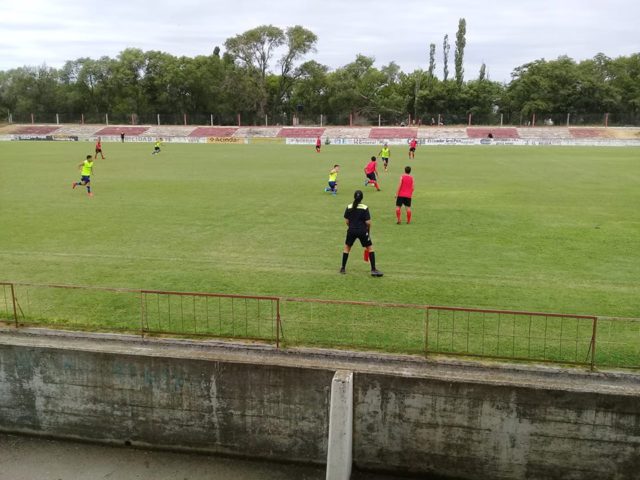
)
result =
(142, 312)
(278, 323)
(606, 120)
(15, 309)
(593, 343)
(426, 333)
(57, 119)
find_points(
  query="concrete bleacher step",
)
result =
(441, 133)
(35, 129)
(116, 130)
(213, 132)
(498, 133)
(301, 132)
(393, 132)
(551, 133)
(264, 132)
(589, 132)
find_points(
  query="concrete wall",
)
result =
(410, 415)
(241, 409)
(494, 432)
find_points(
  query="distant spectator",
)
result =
(433, 121)
(490, 135)
(318, 144)
(122, 137)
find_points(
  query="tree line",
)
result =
(265, 76)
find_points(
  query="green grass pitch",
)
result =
(551, 229)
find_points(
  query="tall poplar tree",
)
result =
(459, 53)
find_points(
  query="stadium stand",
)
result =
(263, 132)
(498, 133)
(129, 131)
(169, 131)
(442, 132)
(588, 132)
(300, 132)
(348, 132)
(213, 132)
(35, 130)
(399, 132)
(544, 133)
(626, 133)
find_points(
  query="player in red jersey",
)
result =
(318, 144)
(404, 194)
(413, 143)
(98, 149)
(371, 171)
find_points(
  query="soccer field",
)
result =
(543, 228)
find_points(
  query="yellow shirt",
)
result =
(333, 174)
(87, 167)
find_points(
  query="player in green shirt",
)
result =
(86, 169)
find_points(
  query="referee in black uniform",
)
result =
(359, 223)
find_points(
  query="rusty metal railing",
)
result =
(387, 327)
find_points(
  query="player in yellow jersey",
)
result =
(156, 147)
(333, 180)
(384, 155)
(85, 174)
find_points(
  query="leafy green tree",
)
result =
(432, 60)
(461, 42)
(445, 57)
(254, 50)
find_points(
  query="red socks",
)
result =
(408, 216)
(398, 214)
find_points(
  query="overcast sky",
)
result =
(503, 34)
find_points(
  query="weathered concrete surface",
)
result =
(254, 410)
(33, 458)
(340, 444)
(411, 415)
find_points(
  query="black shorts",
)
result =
(385, 159)
(412, 149)
(98, 150)
(400, 201)
(358, 235)
(371, 176)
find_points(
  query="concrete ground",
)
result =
(33, 458)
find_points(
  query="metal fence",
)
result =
(286, 322)
(372, 119)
